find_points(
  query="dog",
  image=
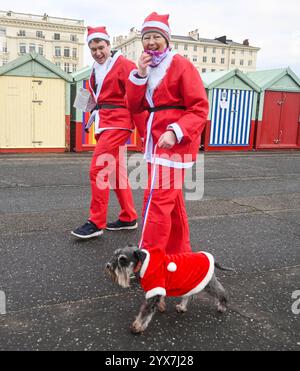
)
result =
(164, 275)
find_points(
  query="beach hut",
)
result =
(34, 106)
(231, 121)
(278, 120)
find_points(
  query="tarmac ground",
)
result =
(58, 298)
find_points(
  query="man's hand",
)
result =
(167, 140)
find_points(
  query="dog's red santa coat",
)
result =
(175, 275)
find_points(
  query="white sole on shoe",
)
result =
(96, 234)
(123, 228)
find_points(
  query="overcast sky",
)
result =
(272, 25)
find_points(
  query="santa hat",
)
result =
(157, 23)
(97, 33)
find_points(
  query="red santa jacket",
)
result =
(175, 275)
(113, 91)
(174, 82)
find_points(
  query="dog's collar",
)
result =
(138, 267)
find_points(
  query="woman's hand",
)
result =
(167, 140)
(143, 63)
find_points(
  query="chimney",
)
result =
(222, 39)
(194, 35)
(246, 42)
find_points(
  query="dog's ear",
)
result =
(139, 255)
(123, 260)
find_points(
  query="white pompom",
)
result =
(172, 267)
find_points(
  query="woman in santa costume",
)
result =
(113, 127)
(170, 88)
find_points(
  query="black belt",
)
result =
(107, 106)
(163, 108)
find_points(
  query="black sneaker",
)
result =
(119, 225)
(88, 230)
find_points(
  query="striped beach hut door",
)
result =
(231, 117)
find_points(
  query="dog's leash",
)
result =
(149, 198)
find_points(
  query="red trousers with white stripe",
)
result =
(108, 171)
(167, 223)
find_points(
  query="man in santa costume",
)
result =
(113, 127)
(169, 87)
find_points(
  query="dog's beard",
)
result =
(123, 277)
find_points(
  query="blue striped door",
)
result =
(231, 117)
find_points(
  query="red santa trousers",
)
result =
(108, 171)
(167, 223)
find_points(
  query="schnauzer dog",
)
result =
(164, 275)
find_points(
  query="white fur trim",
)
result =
(137, 81)
(169, 163)
(207, 278)
(156, 24)
(145, 264)
(177, 130)
(172, 267)
(156, 291)
(98, 35)
(111, 64)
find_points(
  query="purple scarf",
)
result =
(157, 57)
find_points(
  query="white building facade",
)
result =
(207, 55)
(60, 40)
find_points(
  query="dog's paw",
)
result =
(181, 308)
(137, 327)
(221, 308)
(161, 306)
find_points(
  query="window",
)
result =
(57, 36)
(250, 63)
(250, 52)
(2, 31)
(31, 48)
(204, 59)
(22, 48)
(233, 52)
(195, 48)
(67, 67)
(74, 53)
(74, 67)
(232, 61)
(41, 50)
(242, 51)
(205, 49)
(73, 38)
(58, 64)
(185, 46)
(66, 52)
(40, 34)
(195, 58)
(203, 69)
(213, 70)
(241, 62)
(213, 60)
(176, 46)
(223, 51)
(57, 51)
(186, 56)
(4, 47)
(222, 60)
(4, 62)
(22, 33)
(214, 50)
